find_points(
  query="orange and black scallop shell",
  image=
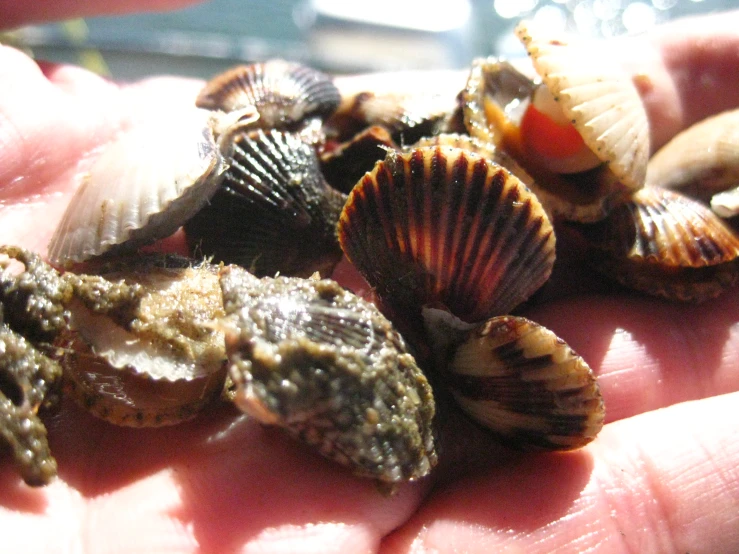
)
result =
(274, 212)
(440, 225)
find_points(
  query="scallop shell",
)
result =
(666, 244)
(702, 161)
(141, 187)
(284, 93)
(597, 96)
(442, 225)
(274, 212)
(526, 385)
(328, 367)
(143, 349)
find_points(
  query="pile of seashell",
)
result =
(446, 206)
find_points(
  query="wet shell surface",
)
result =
(142, 349)
(526, 385)
(444, 226)
(284, 93)
(315, 359)
(141, 187)
(703, 162)
(274, 212)
(667, 244)
(597, 97)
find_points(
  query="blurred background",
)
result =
(339, 36)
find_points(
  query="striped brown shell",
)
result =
(667, 244)
(526, 385)
(445, 226)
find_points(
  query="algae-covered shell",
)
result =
(284, 93)
(143, 348)
(667, 244)
(274, 212)
(141, 187)
(442, 225)
(526, 385)
(597, 96)
(328, 367)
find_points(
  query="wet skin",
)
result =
(661, 477)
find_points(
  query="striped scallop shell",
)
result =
(442, 225)
(141, 187)
(325, 365)
(274, 212)
(526, 385)
(666, 244)
(703, 162)
(597, 96)
(284, 93)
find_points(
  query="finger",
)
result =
(665, 481)
(15, 14)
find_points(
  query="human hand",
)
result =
(654, 480)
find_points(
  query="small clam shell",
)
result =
(143, 349)
(666, 244)
(284, 93)
(141, 187)
(702, 161)
(526, 385)
(274, 211)
(329, 368)
(597, 96)
(442, 225)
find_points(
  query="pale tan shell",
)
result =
(141, 187)
(597, 96)
(702, 161)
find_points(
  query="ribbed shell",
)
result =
(142, 187)
(597, 96)
(442, 225)
(702, 161)
(327, 366)
(667, 244)
(526, 385)
(274, 211)
(284, 93)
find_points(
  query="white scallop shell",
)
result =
(597, 96)
(142, 187)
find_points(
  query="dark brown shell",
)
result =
(526, 385)
(445, 226)
(666, 244)
(274, 211)
(286, 94)
(328, 367)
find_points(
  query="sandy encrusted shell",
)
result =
(526, 385)
(284, 93)
(667, 244)
(274, 212)
(598, 97)
(441, 225)
(141, 187)
(702, 161)
(327, 366)
(143, 349)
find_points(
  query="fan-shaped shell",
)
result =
(284, 93)
(597, 96)
(526, 385)
(667, 244)
(274, 212)
(702, 161)
(442, 225)
(141, 187)
(327, 366)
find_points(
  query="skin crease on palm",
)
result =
(661, 477)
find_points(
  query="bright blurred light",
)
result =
(639, 17)
(664, 4)
(433, 16)
(606, 9)
(509, 9)
(552, 18)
